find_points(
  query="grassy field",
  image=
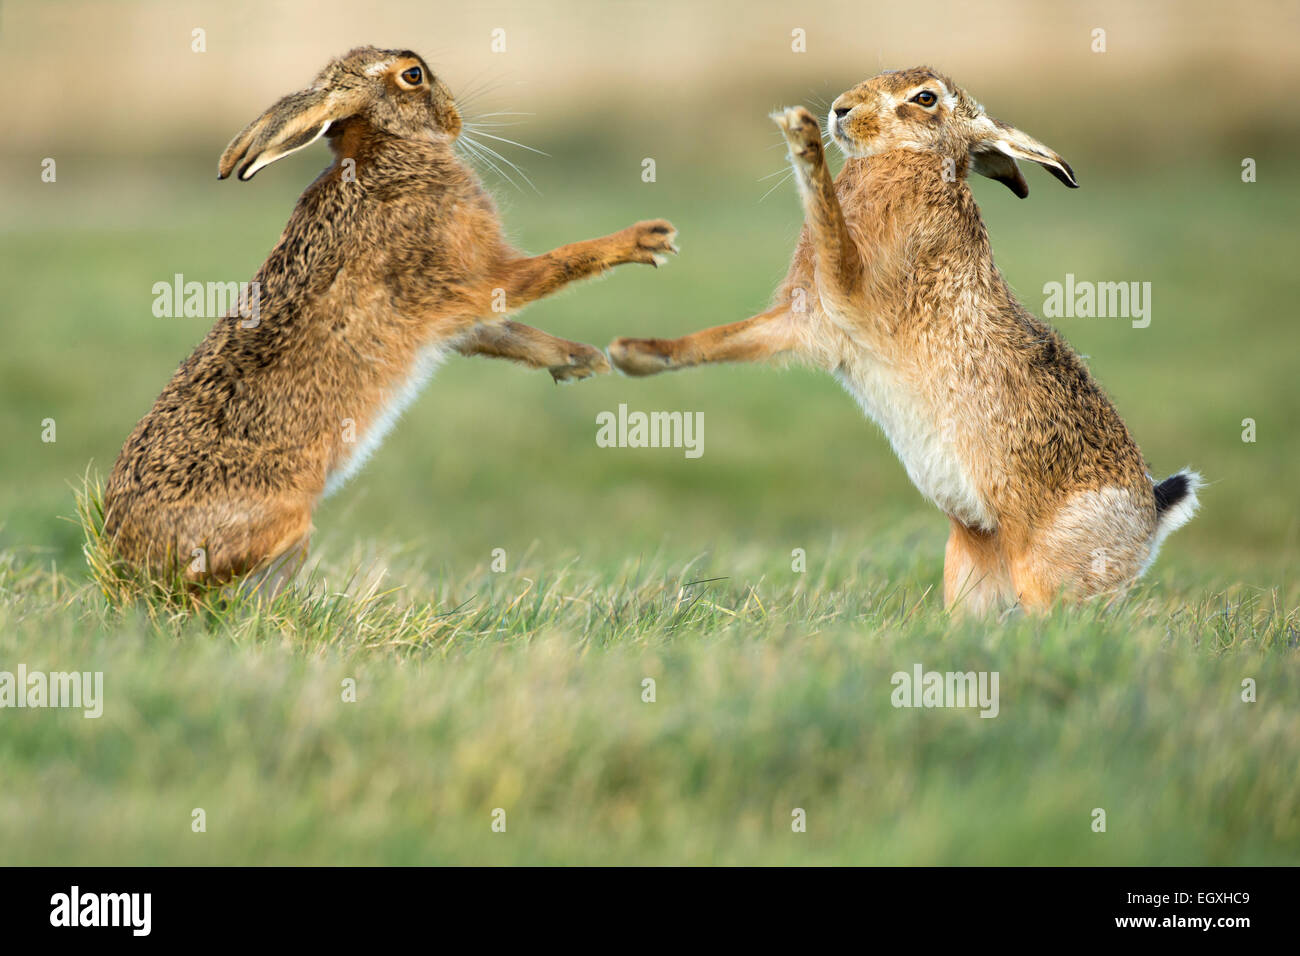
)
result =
(522, 690)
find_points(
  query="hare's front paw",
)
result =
(640, 356)
(802, 134)
(651, 242)
(584, 362)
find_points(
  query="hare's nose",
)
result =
(842, 111)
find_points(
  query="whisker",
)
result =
(468, 101)
(478, 156)
(475, 125)
(474, 120)
(482, 86)
(510, 163)
(482, 82)
(502, 139)
(836, 142)
(780, 182)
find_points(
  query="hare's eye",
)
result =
(925, 98)
(413, 76)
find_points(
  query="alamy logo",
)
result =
(651, 430)
(922, 688)
(208, 300)
(76, 689)
(75, 908)
(1083, 299)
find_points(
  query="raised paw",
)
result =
(584, 362)
(802, 133)
(640, 356)
(651, 242)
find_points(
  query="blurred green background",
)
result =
(478, 689)
(492, 456)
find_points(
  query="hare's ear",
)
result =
(295, 122)
(995, 153)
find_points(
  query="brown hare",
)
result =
(392, 259)
(894, 290)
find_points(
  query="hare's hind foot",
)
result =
(270, 579)
(976, 579)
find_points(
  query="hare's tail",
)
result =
(1176, 502)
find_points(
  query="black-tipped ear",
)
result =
(1001, 167)
(1063, 172)
(292, 124)
(995, 154)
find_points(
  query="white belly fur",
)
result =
(917, 435)
(425, 365)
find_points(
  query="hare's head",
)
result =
(919, 109)
(389, 90)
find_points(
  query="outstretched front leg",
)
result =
(750, 340)
(840, 262)
(530, 278)
(566, 361)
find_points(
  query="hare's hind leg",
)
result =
(246, 541)
(274, 576)
(749, 340)
(975, 574)
(566, 361)
(1095, 543)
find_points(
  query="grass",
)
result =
(523, 689)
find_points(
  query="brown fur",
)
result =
(369, 276)
(893, 289)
